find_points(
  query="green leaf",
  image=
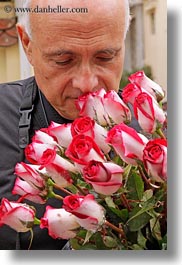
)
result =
(147, 195)
(139, 216)
(111, 216)
(126, 173)
(141, 209)
(155, 228)
(76, 246)
(163, 243)
(135, 186)
(141, 240)
(160, 195)
(110, 202)
(74, 243)
(99, 242)
(123, 214)
(79, 244)
(117, 160)
(110, 242)
(88, 247)
(136, 247)
(139, 222)
(88, 236)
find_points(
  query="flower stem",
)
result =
(62, 189)
(126, 174)
(143, 175)
(56, 196)
(115, 228)
(36, 221)
(125, 202)
(54, 185)
(31, 239)
(80, 190)
(160, 133)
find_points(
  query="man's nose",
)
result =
(85, 79)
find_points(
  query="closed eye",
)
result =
(104, 59)
(65, 62)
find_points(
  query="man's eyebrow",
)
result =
(110, 51)
(57, 53)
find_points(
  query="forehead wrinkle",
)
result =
(77, 30)
(89, 38)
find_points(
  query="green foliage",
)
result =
(142, 220)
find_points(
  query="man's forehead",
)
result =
(95, 22)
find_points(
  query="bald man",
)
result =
(71, 53)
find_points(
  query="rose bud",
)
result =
(116, 109)
(106, 178)
(39, 154)
(91, 104)
(155, 159)
(59, 170)
(42, 136)
(19, 216)
(146, 83)
(130, 92)
(83, 149)
(28, 192)
(60, 223)
(148, 112)
(62, 132)
(127, 143)
(89, 214)
(30, 173)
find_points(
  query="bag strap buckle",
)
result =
(25, 117)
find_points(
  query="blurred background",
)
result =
(146, 43)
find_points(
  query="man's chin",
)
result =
(70, 114)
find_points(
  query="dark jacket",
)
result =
(12, 96)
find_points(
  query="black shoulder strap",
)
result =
(25, 110)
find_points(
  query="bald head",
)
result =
(81, 10)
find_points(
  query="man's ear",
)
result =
(25, 40)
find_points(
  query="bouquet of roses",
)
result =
(113, 176)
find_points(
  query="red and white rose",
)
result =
(130, 92)
(106, 178)
(127, 143)
(62, 133)
(60, 223)
(83, 149)
(115, 108)
(104, 107)
(148, 112)
(31, 173)
(89, 214)
(87, 126)
(40, 154)
(148, 84)
(19, 216)
(155, 159)
(29, 192)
